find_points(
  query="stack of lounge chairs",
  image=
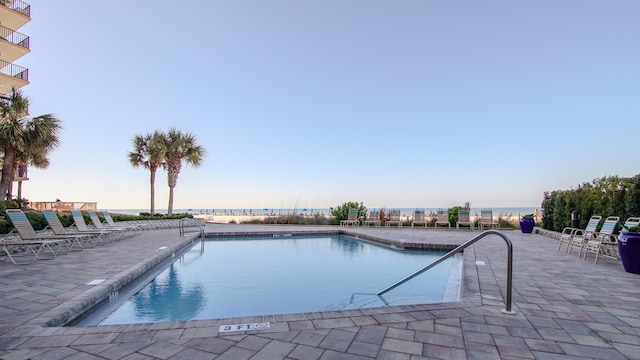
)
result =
(26, 245)
(596, 239)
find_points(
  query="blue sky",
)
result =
(312, 104)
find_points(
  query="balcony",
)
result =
(14, 13)
(13, 45)
(12, 76)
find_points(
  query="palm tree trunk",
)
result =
(7, 172)
(22, 171)
(13, 176)
(170, 210)
(153, 191)
(172, 180)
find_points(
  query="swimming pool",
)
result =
(251, 276)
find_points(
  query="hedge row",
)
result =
(607, 196)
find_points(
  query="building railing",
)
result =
(17, 6)
(14, 70)
(14, 37)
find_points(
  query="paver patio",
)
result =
(566, 308)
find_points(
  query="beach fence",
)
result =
(65, 206)
(505, 216)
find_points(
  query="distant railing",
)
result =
(64, 206)
(14, 37)
(14, 70)
(17, 6)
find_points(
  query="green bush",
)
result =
(315, 219)
(342, 212)
(607, 196)
(453, 215)
(38, 221)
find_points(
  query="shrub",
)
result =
(342, 212)
(453, 215)
(607, 196)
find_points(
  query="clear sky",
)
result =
(314, 103)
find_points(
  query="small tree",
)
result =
(148, 152)
(453, 214)
(178, 147)
(23, 139)
(342, 212)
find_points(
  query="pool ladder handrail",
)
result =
(192, 222)
(507, 310)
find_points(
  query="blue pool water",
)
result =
(235, 277)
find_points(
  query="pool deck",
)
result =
(566, 308)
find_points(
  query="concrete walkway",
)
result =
(566, 308)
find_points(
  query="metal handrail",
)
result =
(193, 222)
(14, 70)
(14, 37)
(17, 6)
(507, 310)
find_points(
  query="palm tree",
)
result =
(23, 139)
(148, 152)
(180, 146)
(32, 156)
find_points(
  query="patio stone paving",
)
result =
(566, 308)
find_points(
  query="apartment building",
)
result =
(13, 45)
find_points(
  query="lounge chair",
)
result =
(352, 218)
(393, 219)
(95, 220)
(604, 242)
(464, 219)
(442, 218)
(486, 219)
(100, 236)
(581, 236)
(12, 249)
(58, 229)
(565, 237)
(136, 229)
(631, 222)
(419, 218)
(373, 219)
(31, 242)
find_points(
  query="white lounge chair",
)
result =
(464, 219)
(102, 237)
(373, 219)
(31, 242)
(581, 236)
(566, 236)
(77, 240)
(442, 218)
(486, 219)
(604, 242)
(118, 233)
(136, 229)
(394, 219)
(419, 218)
(352, 218)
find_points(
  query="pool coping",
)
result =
(75, 308)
